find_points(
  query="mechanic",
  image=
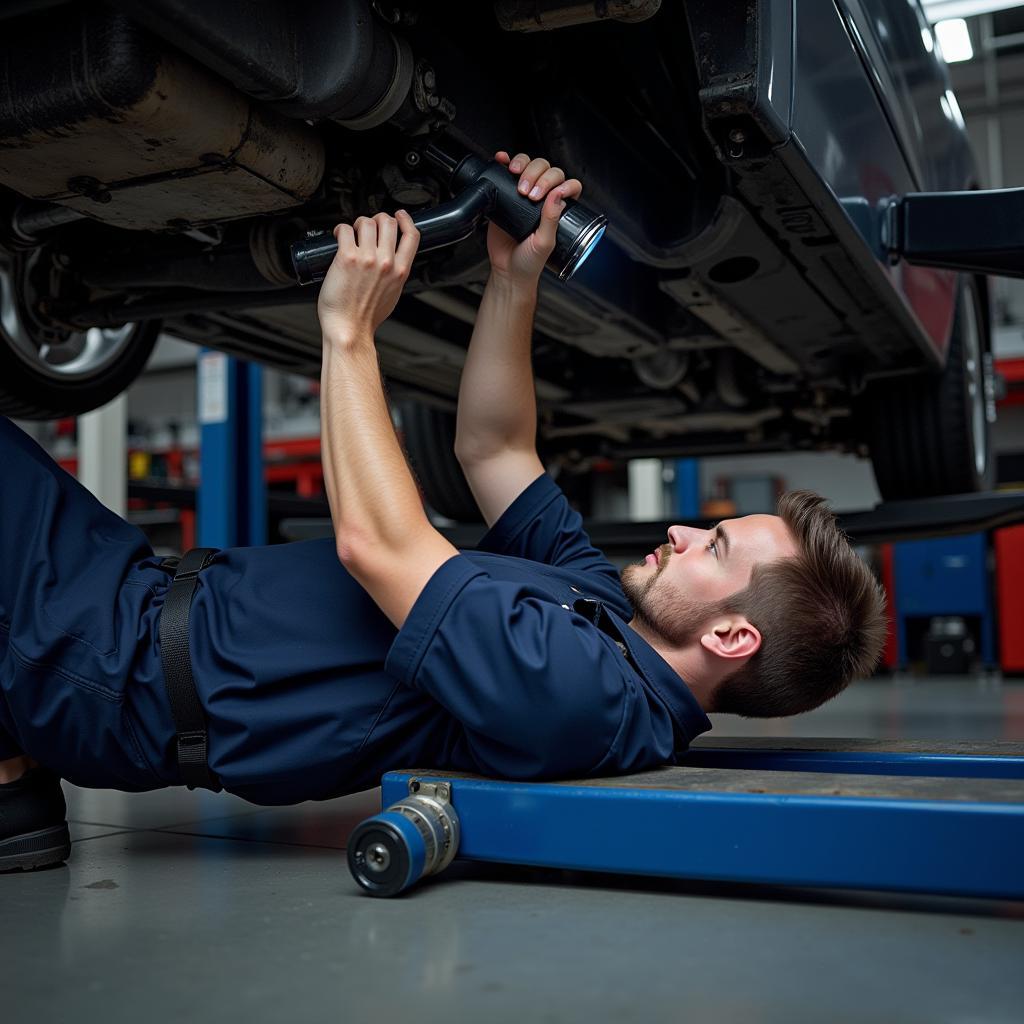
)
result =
(321, 664)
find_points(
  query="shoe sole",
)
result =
(35, 849)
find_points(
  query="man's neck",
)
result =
(687, 662)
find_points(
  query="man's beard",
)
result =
(665, 613)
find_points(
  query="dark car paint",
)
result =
(925, 148)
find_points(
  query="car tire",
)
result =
(48, 378)
(429, 437)
(931, 435)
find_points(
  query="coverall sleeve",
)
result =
(542, 526)
(540, 692)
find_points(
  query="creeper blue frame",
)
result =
(997, 760)
(958, 838)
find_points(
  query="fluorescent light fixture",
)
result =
(954, 109)
(954, 40)
(942, 10)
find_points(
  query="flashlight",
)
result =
(483, 189)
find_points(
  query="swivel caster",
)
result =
(416, 837)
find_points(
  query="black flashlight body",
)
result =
(483, 189)
(512, 212)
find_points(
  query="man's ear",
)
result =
(732, 637)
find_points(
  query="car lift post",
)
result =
(103, 453)
(231, 500)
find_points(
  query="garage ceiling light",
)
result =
(941, 10)
(954, 40)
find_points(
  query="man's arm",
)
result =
(496, 425)
(383, 536)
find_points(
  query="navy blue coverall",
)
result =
(309, 691)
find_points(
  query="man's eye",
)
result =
(713, 546)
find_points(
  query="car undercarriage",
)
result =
(157, 174)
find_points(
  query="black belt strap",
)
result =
(186, 709)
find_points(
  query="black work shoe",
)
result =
(33, 832)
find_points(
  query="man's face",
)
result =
(677, 587)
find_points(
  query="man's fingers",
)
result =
(387, 238)
(519, 161)
(534, 169)
(571, 189)
(554, 207)
(345, 236)
(547, 181)
(538, 177)
(366, 232)
(550, 214)
(409, 243)
(554, 204)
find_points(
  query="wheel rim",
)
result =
(974, 379)
(78, 355)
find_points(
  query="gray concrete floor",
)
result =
(200, 906)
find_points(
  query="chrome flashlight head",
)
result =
(579, 231)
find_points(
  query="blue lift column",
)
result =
(231, 500)
(687, 489)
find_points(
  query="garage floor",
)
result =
(178, 905)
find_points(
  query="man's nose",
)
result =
(681, 537)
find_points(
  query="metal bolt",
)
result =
(432, 100)
(412, 158)
(429, 79)
(736, 139)
(84, 185)
(377, 857)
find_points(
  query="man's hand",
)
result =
(523, 262)
(366, 278)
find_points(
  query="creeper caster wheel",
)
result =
(416, 837)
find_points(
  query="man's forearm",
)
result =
(372, 494)
(497, 408)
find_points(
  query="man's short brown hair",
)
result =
(821, 616)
